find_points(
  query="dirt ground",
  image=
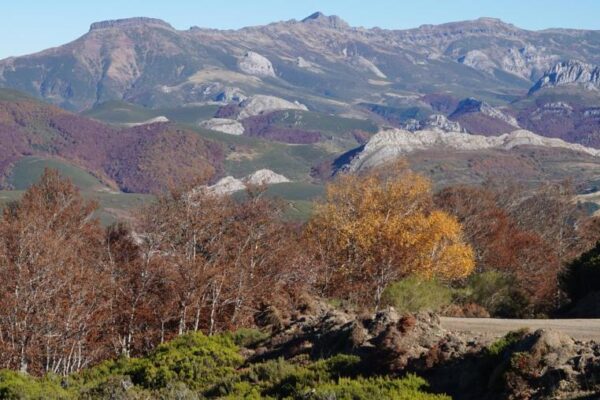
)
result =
(579, 329)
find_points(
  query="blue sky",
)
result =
(32, 25)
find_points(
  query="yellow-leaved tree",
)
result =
(376, 228)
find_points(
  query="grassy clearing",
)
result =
(28, 170)
(120, 112)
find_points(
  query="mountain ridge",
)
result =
(320, 57)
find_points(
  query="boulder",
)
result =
(255, 64)
(229, 126)
(261, 104)
(265, 177)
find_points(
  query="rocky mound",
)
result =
(229, 184)
(481, 118)
(265, 177)
(434, 122)
(255, 64)
(261, 104)
(392, 143)
(522, 365)
(326, 21)
(224, 125)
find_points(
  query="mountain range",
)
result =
(320, 59)
(141, 105)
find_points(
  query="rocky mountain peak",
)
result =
(472, 105)
(469, 105)
(129, 22)
(483, 25)
(570, 72)
(491, 21)
(330, 21)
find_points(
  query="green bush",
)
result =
(413, 294)
(245, 337)
(195, 366)
(408, 388)
(196, 360)
(18, 386)
(333, 378)
(497, 293)
(498, 347)
(582, 275)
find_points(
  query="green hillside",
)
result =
(28, 171)
(121, 112)
(113, 205)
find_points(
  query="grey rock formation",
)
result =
(433, 122)
(479, 60)
(320, 19)
(260, 104)
(129, 22)
(226, 185)
(471, 105)
(553, 108)
(528, 62)
(363, 64)
(264, 177)
(229, 184)
(255, 64)
(224, 125)
(570, 72)
(390, 144)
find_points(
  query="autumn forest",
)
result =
(76, 293)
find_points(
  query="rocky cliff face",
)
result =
(433, 122)
(391, 144)
(130, 22)
(570, 72)
(320, 19)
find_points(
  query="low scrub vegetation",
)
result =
(414, 294)
(195, 366)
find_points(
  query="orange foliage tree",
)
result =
(375, 229)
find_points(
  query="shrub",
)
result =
(409, 388)
(497, 293)
(195, 360)
(582, 275)
(18, 386)
(498, 347)
(195, 366)
(333, 378)
(467, 310)
(414, 294)
(245, 337)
